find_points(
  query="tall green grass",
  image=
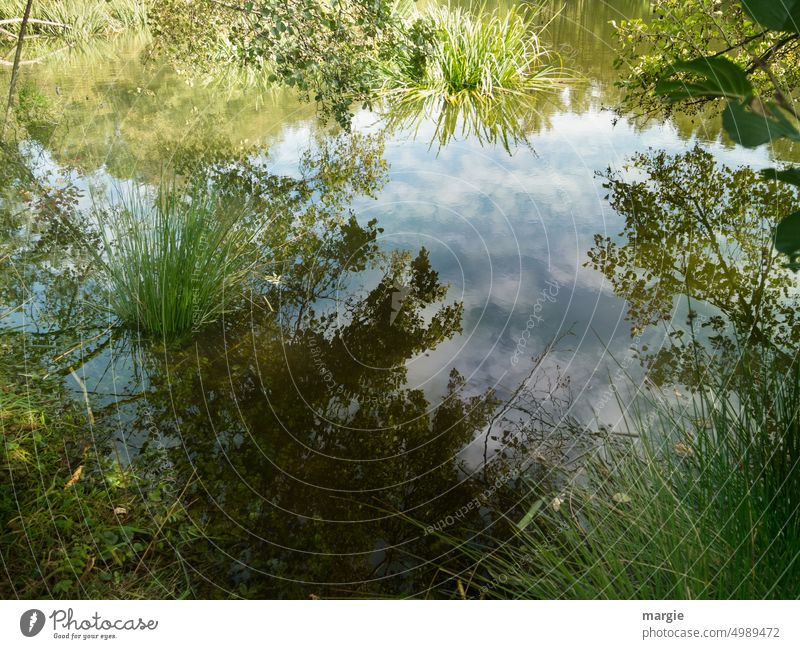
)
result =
(84, 18)
(455, 53)
(175, 263)
(706, 505)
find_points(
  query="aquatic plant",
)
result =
(175, 263)
(455, 53)
(704, 505)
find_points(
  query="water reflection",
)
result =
(702, 231)
(505, 120)
(316, 466)
(375, 371)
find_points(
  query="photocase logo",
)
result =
(31, 622)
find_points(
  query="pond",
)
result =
(398, 372)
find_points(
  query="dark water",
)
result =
(406, 371)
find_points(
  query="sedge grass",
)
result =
(706, 505)
(77, 20)
(460, 53)
(176, 263)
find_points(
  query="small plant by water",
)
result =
(176, 262)
(456, 53)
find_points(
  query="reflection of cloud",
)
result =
(498, 226)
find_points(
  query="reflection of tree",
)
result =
(48, 274)
(37, 219)
(316, 441)
(308, 445)
(113, 111)
(311, 450)
(697, 229)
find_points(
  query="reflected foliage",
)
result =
(49, 244)
(101, 106)
(38, 217)
(697, 229)
(318, 465)
(326, 51)
(506, 121)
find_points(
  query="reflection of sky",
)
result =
(499, 227)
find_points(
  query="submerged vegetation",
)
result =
(76, 520)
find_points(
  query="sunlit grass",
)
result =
(174, 263)
(704, 506)
(458, 54)
(83, 18)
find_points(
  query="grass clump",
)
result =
(706, 506)
(455, 53)
(77, 20)
(178, 262)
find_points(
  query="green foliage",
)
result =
(73, 521)
(324, 50)
(456, 54)
(717, 78)
(783, 16)
(683, 30)
(748, 119)
(175, 263)
(360, 48)
(704, 506)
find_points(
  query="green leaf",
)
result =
(719, 77)
(752, 128)
(62, 586)
(783, 15)
(791, 175)
(787, 235)
(529, 516)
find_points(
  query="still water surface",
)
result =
(321, 432)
